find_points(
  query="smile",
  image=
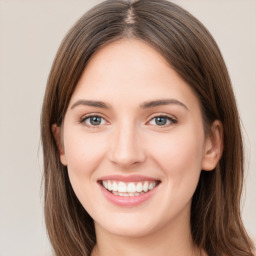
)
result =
(128, 191)
(120, 188)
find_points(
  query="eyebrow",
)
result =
(155, 103)
(92, 103)
(147, 104)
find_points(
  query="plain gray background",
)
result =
(30, 33)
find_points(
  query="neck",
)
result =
(172, 240)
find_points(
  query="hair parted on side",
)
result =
(192, 52)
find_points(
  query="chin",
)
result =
(130, 232)
(125, 225)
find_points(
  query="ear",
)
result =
(56, 130)
(213, 147)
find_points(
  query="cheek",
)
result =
(83, 152)
(179, 154)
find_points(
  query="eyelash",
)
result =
(87, 117)
(170, 119)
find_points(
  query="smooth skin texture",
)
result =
(125, 137)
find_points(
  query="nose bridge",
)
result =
(126, 148)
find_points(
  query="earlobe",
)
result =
(213, 147)
(56, 130)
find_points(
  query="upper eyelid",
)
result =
(92, 114)
(163, 114)
(150, 116)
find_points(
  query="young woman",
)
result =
(141, 138)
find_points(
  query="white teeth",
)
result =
(151, 186)
(105, 184)
(123, 194)
(139, 187)
(145, 187)
(114, 186)
(122, 187)
(109, 185)
(130, 189)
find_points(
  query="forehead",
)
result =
(125, 58)
(130, 70)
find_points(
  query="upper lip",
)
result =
(130, 178)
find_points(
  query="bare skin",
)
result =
(131, 114)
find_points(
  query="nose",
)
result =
(126, 148)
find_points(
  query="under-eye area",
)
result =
(121, 188)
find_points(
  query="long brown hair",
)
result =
(192, 52)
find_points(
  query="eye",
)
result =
(93, 120)
(162, 121)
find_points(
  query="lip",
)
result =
(131, 178)
(128, 201)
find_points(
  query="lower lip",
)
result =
(128, 201)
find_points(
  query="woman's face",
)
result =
(133, 141)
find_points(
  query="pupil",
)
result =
(161, 120)
(95, 120)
